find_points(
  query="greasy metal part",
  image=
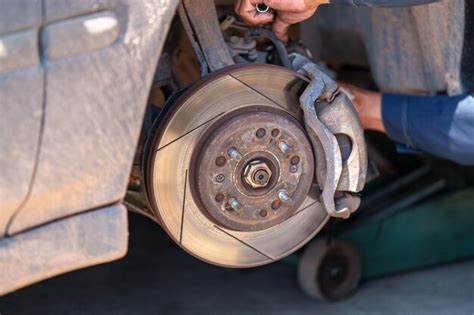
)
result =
(337, 138)
(227, 22)
(169, 173)
(279, 46)
(244, 46)
(240, 159)
(206, 31)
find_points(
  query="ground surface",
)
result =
(158, 278)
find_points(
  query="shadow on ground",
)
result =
(157, 277)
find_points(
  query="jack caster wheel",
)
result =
(329, 271)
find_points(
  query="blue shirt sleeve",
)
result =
(439, 125)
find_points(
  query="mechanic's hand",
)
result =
(368, 105)
(283, 14)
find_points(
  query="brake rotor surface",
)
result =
(231, 169)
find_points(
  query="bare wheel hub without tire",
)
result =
(253, 169)
(230, 168)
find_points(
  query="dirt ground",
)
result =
(157, 277)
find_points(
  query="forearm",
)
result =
(440, 125)
(383, 3)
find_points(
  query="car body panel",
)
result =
(21, 102)
(72, 101)
(96, 88)
(80, 241)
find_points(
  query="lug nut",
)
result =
(284, 197)
(234, 153)
(284, 147)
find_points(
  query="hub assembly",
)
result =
(231, 169)
(253, 169)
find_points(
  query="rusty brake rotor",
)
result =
(231, 170)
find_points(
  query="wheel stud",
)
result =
(235, 204)
(284, 147)
(234, 153)
(284, 196)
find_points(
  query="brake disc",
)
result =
(231, 169)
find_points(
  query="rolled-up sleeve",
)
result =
(439, 125)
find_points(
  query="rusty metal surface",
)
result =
(77, 242)
(409, 50)
(248, 158)
(168, 175)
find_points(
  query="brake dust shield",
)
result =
(230, 173)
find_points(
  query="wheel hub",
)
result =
(258, 160)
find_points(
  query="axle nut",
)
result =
(257, 174)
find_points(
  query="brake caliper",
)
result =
(337, 137)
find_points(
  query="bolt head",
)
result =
(220, 178)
